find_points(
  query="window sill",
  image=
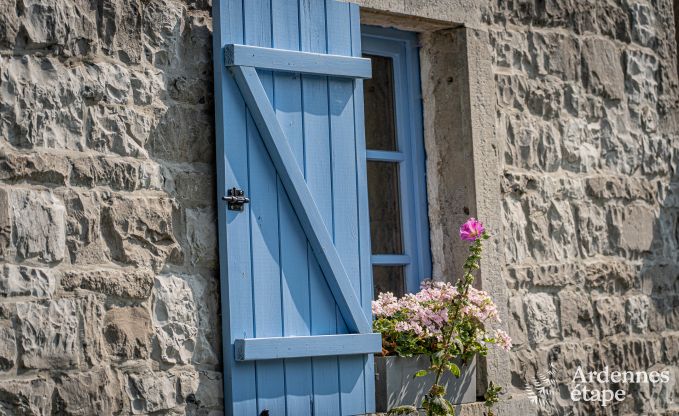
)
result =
(518, 404)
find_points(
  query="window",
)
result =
(396, 173)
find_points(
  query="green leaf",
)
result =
(403, 410)
(421, 373)
(454, 369)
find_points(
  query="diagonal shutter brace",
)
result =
(243, 61)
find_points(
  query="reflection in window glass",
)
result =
(378, 98)
(385, 208)
(388, 279)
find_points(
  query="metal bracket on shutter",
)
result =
(235, 199)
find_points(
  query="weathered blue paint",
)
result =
(327, 254)
(401, 47)
(307, 346)
(300, 62)
(295, 264)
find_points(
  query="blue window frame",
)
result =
(401, 256)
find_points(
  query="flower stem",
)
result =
(463, 285)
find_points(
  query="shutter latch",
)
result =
(236, 198)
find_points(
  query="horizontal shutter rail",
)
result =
(294, 61)
(301, 198)
(251, 349)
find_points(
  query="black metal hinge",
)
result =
(236, 199)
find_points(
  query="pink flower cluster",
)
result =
(427, 312)
(424, 313)
(503, 340)
(480, 306)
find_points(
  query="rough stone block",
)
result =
(657, 155)
(620, 150)
(8, 347)
(120, 130)
(641, 88)
(37, 224)
(581, 153)
(577, 315)
(41, 104)
(34, 167)
(116, 173)
(620, 187)
(591, 229)
(84, 239)
(200, 390)
(49, 334)
(565, 357)
(91, 318)
(151, 392)
(511, 92)
(555, 54)
(60, 334)
(514, 224)
(192, 188)
(26, 281)
(631, 353)
(26, 397)
(120, 30)
(602, 72)
(96, 392)
(183, 134)
(127, 332)
(541, 317)
(639, 309)
(65, 26)
(181, 320)
(530, 142)
(612, 275)
(610, 315)
(139, 231)
(632, 227)
(201, 236)
(6, 245)
(511, 50)
(517, 324)
(554, 275)
(133, 284)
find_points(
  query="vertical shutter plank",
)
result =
(294, 262)
(234, 244)
(363, 220)
(264, 226)
(345, 202)
(318, 175)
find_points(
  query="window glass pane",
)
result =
(378, 97)
(385, 208)
(388, 279)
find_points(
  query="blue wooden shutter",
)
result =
(295, 267)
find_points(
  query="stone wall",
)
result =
(108, 275)
(108, 286)
(586, 125)
(586, 109)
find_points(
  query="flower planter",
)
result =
(396, 384)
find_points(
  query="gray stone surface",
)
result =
(108, 292)
(585, 119)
